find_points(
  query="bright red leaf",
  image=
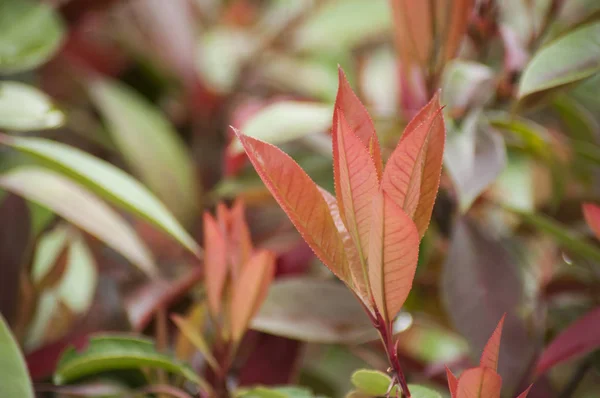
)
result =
(591, 212)
(489, 357)
(452, 383)
(412, 173)
(215, 263)
(479, 383)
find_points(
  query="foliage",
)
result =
(174, 174)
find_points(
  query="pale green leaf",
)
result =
(106, 180)
(373, 382)
(150, 145)
(285, 121)
(567, 60)
(422, 392)
(24, 108)
(82, 208)
(14, 378)
(30, 33)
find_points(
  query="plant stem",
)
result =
(387, 337)
(577, 377)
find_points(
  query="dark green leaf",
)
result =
(109, 352)
(30, 33)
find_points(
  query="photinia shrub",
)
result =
(368, 234)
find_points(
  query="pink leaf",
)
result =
(489, 357)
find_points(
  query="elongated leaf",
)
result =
(285, 121)
(567, 60)
(250, 291)
(479, 383)
(357, 182)
(412, 173)
(240, 243)
(150, 145)
(475, 156)
(80, 207)
(580, 338)
(196, 338)
(591, 213)
(476, 259)
(215, 263)
(525, 393)
(393, 255)
(30, 33)
(319, 311)
(106, 180)
(302, 201)
(14, 378)
(457, 26)
(355, 265)
(109, 352)
(358, 120)
(491, 351)
(452, 383)
(15, 237)
(24, 108)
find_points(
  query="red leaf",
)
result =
(452, 383)
(358, 119)
(412, 173)
(591, 212)
(357, 181)
(580, 338)
(489, 357)
(479, 383)
(302, 201)
(215, 262)
(525, 393)
(359, 279)
(250, 291)
(457, 26)
(239, 241)
(393, 255)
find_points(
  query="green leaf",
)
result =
(109, 352)
(105, 180)
(24, 108)
(150, 146)
(14, 378)
(342, 24)
(373, 382)
(565, 238)
(276, 392)
(30, 33)
(80, 207)
(567, 60)
(285, 121)
(422, 392)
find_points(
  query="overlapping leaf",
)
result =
(215, 263)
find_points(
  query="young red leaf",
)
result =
(591, 212)
(479, 383)
(358, 119)
(359, 277)
(461, 10)
(412, 173)
(525, 393)
(215, 263)
(239, 240)
(393, 255)
(452, 383)
(250, 290)
(302, 201)
(358, 183)
(489, 357)
(581, 337)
